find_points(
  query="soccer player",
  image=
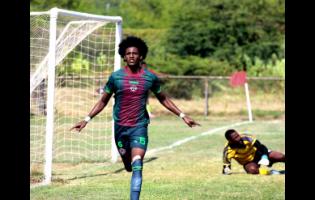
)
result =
(249, 152)
(131, 85)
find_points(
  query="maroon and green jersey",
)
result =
(131, 93)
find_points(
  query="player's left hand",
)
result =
(264, 160)
(190, 122)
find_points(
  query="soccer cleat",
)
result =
(128, 167)
(264, 160)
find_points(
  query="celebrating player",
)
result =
(249, 152)
(131, 85)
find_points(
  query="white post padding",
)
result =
(249, 108)
(50, 96)
(117, 66)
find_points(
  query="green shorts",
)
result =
(127, 137)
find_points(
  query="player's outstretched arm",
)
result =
(168, 103)
(226, 162)
(98, 107)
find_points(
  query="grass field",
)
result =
(188, 171)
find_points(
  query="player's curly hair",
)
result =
(132, 41)
(228, 133)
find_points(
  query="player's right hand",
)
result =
(79, 126)
(190, 122)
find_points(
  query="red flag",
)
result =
(238, 78)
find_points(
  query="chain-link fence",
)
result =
(213, 96)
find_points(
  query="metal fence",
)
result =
(210, 95)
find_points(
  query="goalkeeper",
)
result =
(249, 152)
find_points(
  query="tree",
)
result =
(228, 30)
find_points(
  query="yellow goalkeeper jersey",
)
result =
(241, 155)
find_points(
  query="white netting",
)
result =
(85, 51)
(72, 34)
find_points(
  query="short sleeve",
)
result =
(109, 87)
(156, 86)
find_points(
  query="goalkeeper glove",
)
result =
(227, 171)
(264, 160)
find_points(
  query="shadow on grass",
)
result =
(145, 161)
(273, 172)
(105, 174)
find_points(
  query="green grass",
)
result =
(189, 171)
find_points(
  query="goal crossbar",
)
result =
(114, 19)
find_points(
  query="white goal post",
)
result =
(72, 55)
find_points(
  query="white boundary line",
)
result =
(180, 142)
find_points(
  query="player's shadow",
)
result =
(273, 172)
(279, 172)
(282, 172)
(105, 174)
(145, 161)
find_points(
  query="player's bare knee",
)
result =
(252, 170)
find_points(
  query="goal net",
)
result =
(72, 55)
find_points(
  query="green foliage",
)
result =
(182, 90)
(189, 33)
(91, 6)
(198, 37)
(148, 13)
(101, 61)
(274, 67)
(79, 65)
(192, 65)
(229, 30)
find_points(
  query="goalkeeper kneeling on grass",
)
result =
(249, 152)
